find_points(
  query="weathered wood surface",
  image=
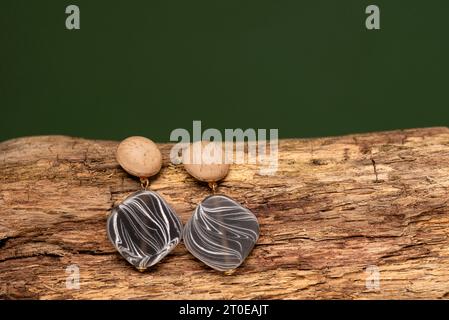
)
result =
(336, 206)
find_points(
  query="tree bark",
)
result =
(339, 214)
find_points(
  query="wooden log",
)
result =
(339, 212)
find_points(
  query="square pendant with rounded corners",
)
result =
(144, 229)
(221, 232)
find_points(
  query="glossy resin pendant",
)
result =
(144, 229)
(221, 233)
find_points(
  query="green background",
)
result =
(308, 68)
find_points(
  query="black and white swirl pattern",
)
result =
(221, 233)
(144, 229)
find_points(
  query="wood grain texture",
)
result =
(336, 206)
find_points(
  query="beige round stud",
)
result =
(205, 161)
(139, 156)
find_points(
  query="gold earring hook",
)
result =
(144, 183)
(213, 185)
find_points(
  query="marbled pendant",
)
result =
(221, 233)
(144, 229)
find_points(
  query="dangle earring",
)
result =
(221, 232)
(143, 228)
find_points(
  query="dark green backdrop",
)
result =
(309, 68)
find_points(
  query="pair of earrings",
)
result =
(144, 228)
